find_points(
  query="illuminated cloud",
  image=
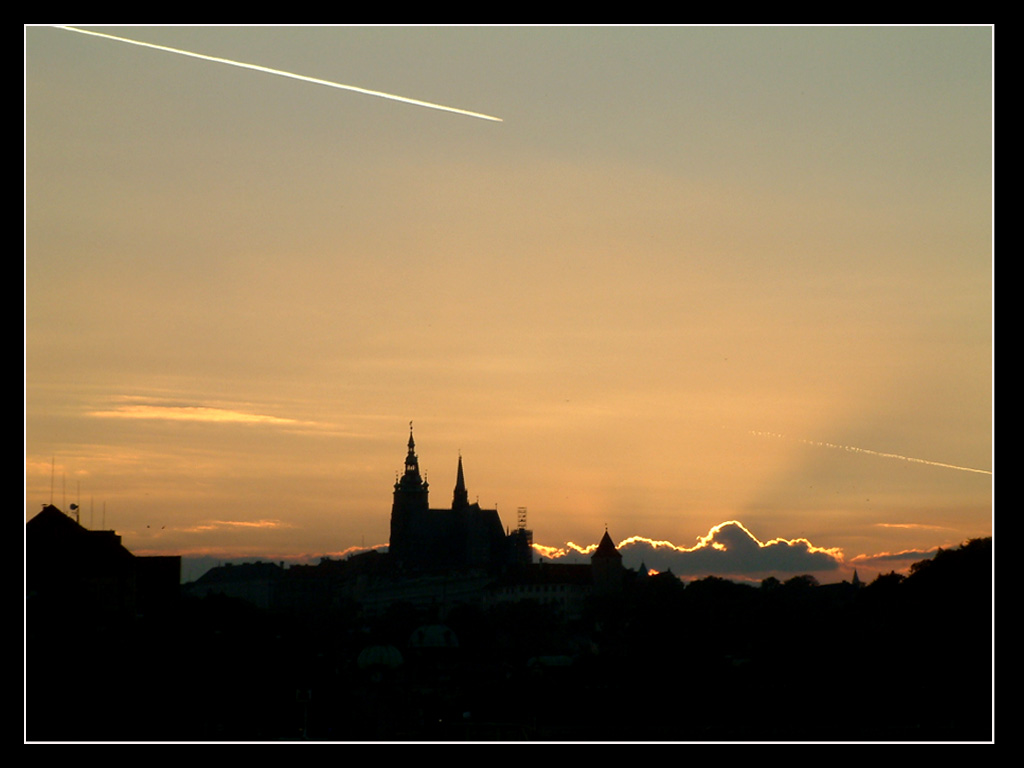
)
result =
(190, 413)
(727, 549)
(892, 560)
(551, 553)
(219, 525)
(355, 550)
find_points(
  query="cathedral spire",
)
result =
(411, 479)
(461, 498)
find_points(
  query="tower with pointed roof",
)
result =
(606, 566)
(411, 489)
(425, 539)
(410, 502)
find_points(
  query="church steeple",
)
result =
(426, 540)
(461, 498)
(411, 480)
(411, 502)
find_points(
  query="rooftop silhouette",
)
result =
(454, 637)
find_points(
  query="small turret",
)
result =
(606, 567)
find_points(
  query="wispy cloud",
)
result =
(892, 559)
(219, 525)
(190, 413)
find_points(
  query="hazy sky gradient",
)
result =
(688, 265)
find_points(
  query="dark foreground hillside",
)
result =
(899, 659)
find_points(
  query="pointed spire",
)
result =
(411, 478)
(606, 547)
(461, 497)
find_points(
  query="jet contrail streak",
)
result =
(875, 453)
(292, 75)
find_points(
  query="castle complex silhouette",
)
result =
(437, 558)
(463, 537)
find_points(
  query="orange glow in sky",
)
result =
(681, 245)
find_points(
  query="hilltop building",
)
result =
(425, 540)
(437, 558)
(567, 586)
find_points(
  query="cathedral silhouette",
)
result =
(426, 540)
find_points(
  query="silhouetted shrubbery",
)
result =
(708, 660)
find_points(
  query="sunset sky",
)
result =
(694, 275)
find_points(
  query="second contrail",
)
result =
(281, 73)
(854, 449)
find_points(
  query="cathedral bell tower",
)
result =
(410, 500)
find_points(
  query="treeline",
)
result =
(901, 658)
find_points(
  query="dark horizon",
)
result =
(739, 554)
(361, 650)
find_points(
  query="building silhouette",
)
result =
(465, 644)
(70, 569)
(426, 540)
(607, 571)
(437, 559)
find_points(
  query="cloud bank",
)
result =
(728, 549)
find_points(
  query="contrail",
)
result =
(875, 453)
(292, 75)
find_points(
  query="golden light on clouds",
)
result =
(728, 549)
(548, 551)
(595, 304)
(214, 525)
(189, 413)
(711, 540)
